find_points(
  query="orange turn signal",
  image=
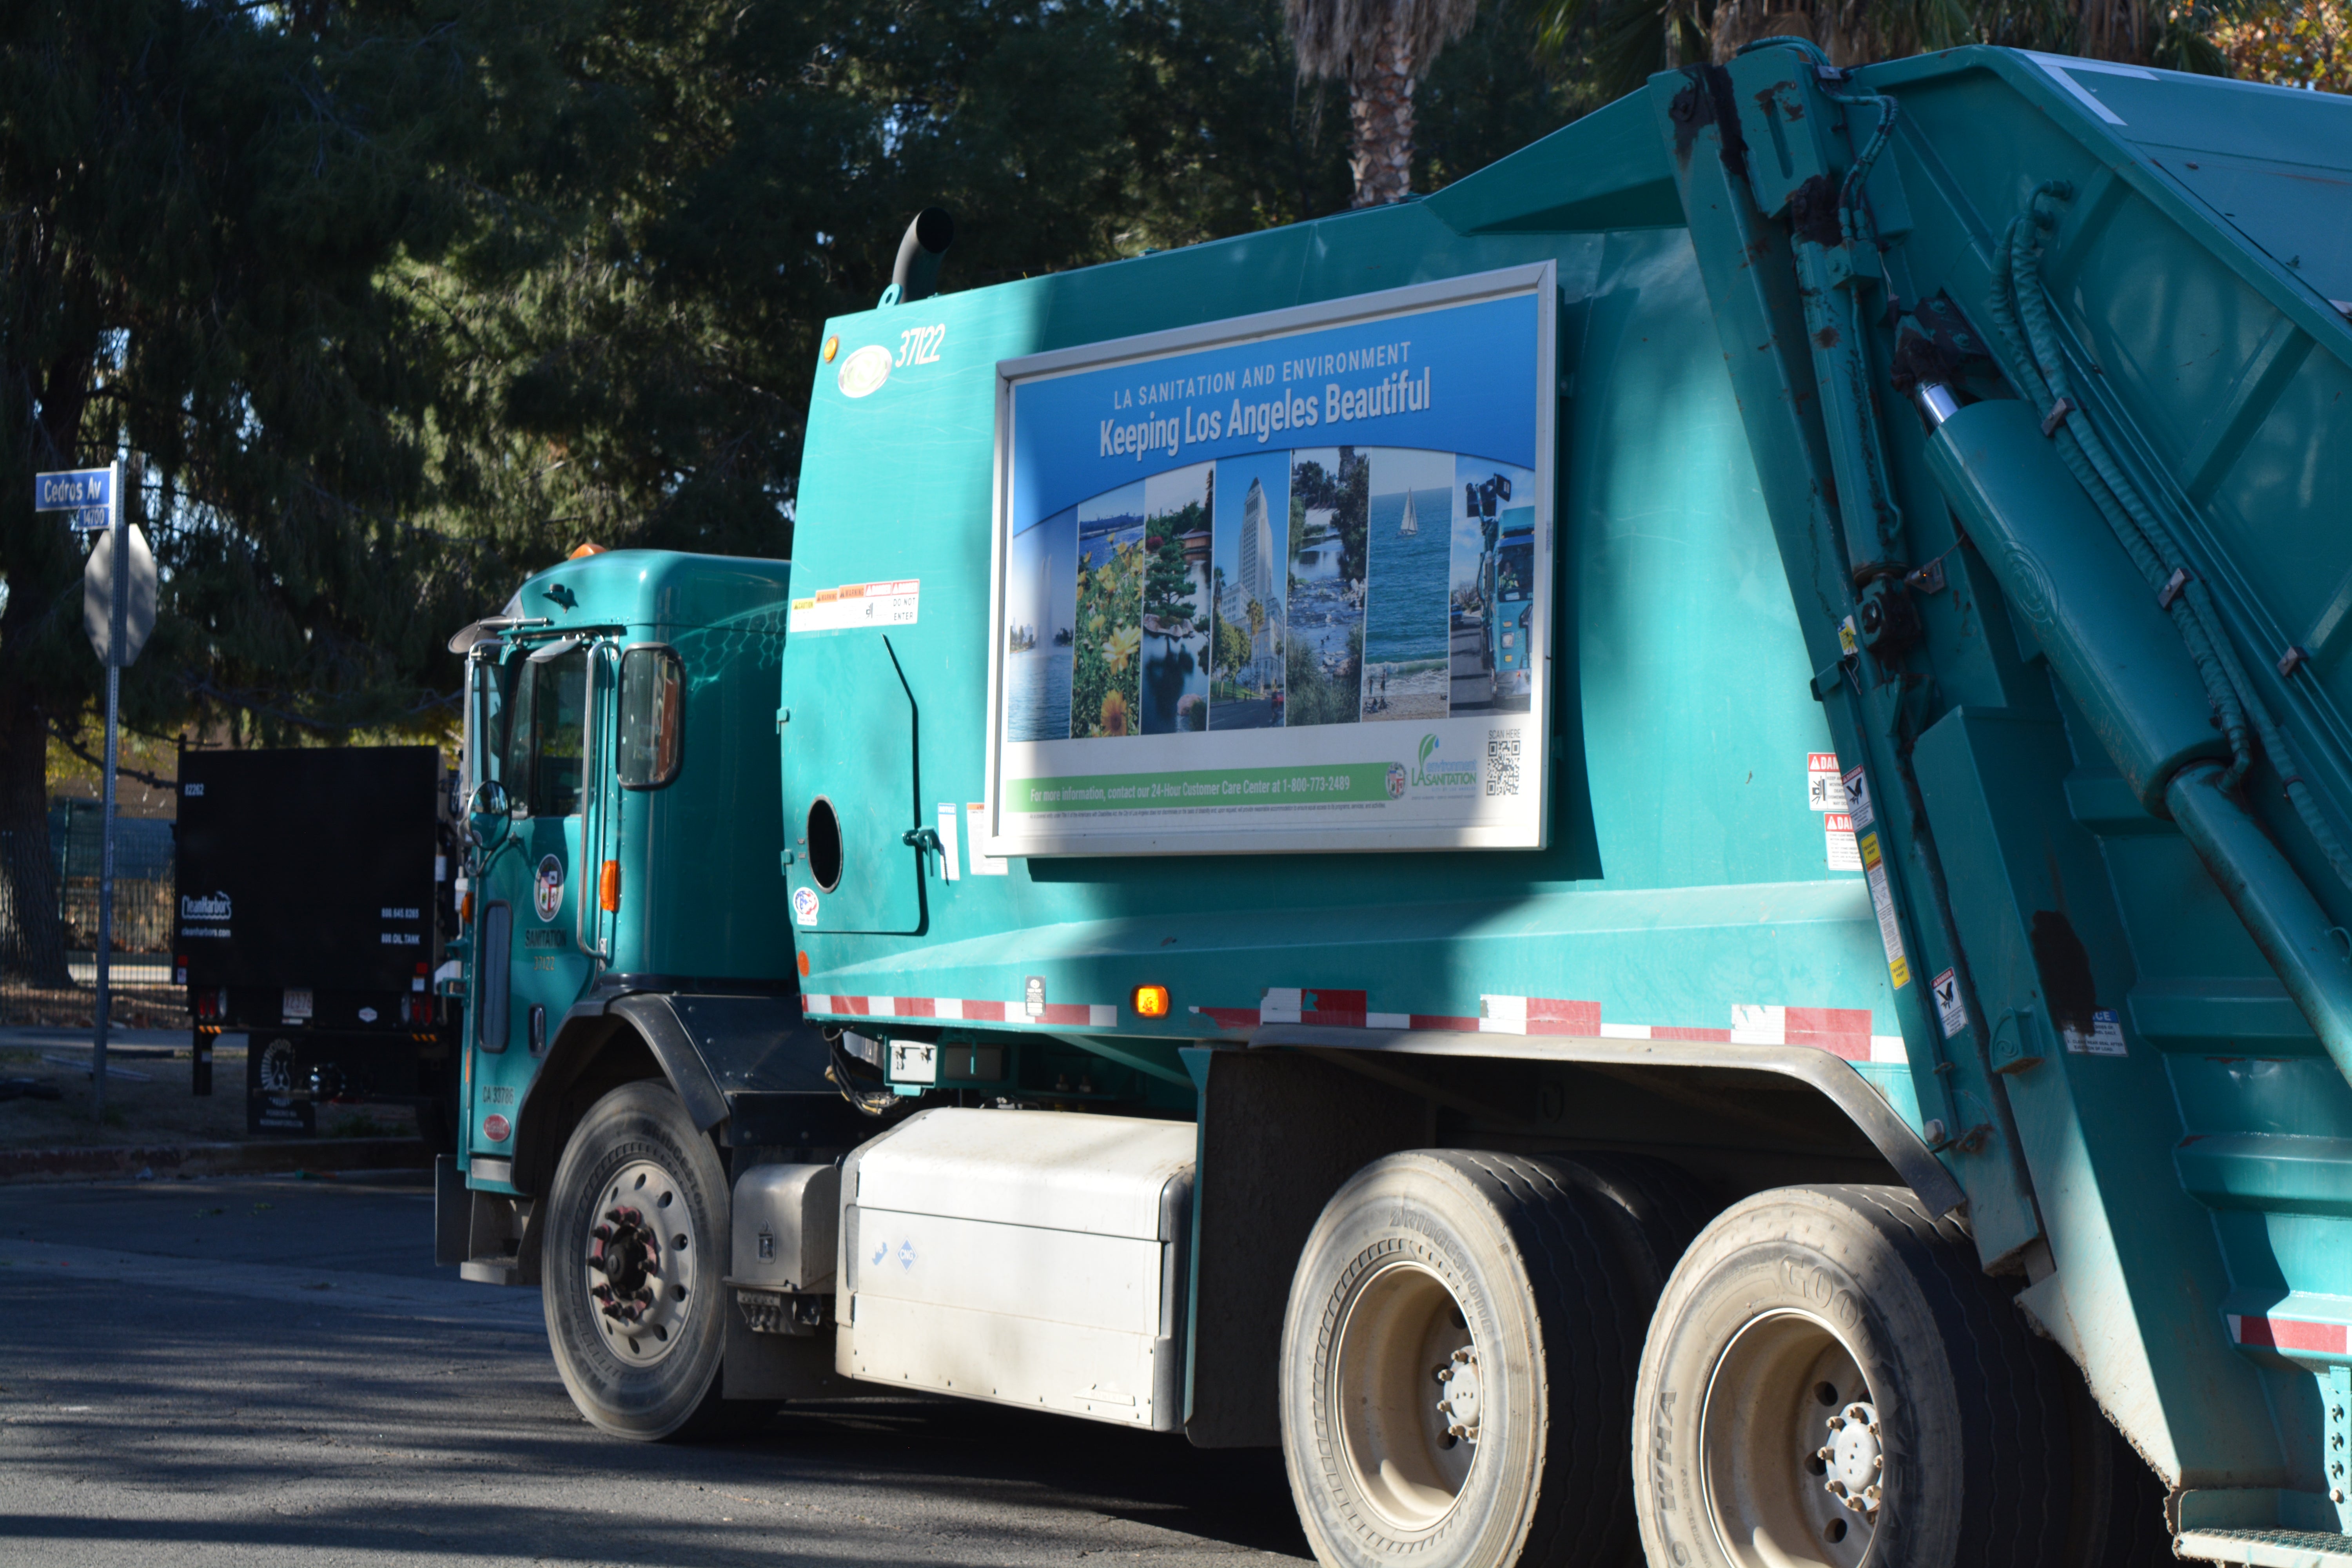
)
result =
(608, 887)
(466, 910)
(1150, 1001)
(803, 961)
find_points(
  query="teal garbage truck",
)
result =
(1648, 858)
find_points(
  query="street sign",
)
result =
(74, 490)
(138, 597)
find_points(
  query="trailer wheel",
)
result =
(631, 1268)
(1828, 1379)
(1457, 1370)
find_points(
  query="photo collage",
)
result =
(1278, 589)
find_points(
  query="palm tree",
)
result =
(1381, 48)
(1622, 43)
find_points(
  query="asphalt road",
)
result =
(265, 1371)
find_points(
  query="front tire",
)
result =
(1456, 1367)
(632, 1262)
(1830, 1379)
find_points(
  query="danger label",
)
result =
(1842, 853)
(1824, 785)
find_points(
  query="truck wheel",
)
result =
(631, 1268)
(1457, 1370)
(1831, 1378)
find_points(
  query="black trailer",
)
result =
(314, 908)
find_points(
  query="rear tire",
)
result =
(1820, 1335)
(639, 1212)
(1457, 1370)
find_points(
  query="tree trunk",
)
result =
(1379, 117)
(32, 942)
(1845, 33)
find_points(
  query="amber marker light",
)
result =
(608, 887)
(803, 964)
(1150, 1001)
(831, 347)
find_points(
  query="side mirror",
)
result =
(487, 813)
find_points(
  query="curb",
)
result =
(257, 1159)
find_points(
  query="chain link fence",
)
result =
(49, 923)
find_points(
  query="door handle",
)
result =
(923, 838)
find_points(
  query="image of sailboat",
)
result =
(1412, 523)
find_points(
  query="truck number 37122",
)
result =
(920, 345)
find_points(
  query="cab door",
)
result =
(551, 883)
(531, 961)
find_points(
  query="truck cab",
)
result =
(623, 808)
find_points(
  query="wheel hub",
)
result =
(639, 1263)
(1853, 1458)
(1793, 1452)
(1459, 1405)
(1408, 1400)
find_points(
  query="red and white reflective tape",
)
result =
(2290, 1334)
(964, 1010)
(1841, 1031)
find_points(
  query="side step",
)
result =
(2268, 1548)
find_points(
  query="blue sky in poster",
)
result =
(1453, 378)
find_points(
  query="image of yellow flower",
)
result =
(1122, 646)
(1114, 714)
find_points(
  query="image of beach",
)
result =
(1176, 609)
(1041, 621)
(1408, 540)
(1488, 587)
(1107, 650)
(1323, 667)
(1248, 589)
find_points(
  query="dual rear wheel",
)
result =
(1494, 1360)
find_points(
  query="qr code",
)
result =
(1502, 762)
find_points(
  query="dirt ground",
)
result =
(159, 1110)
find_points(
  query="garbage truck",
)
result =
(1845, 1062)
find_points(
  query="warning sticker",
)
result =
(1824, 788)
(1949, 1005)
(2106, 1038)
(1841, 852)
(1857, 800)
(1890, 932)
(855, 604)
(975, 822)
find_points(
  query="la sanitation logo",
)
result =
(1442, 773)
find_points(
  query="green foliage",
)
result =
(1168, 585)
(1347, 494)
(1232, 652)
(1316, 697)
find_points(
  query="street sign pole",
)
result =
(120, 546)
(94, 496)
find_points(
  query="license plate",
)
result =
(297, 1007)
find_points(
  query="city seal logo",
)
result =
(1396, 780)
(863, 372)
(547, 888)
(804, 905)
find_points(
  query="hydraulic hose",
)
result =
(2022, 313)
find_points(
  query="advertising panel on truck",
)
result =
(1279, 582)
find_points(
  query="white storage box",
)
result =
(1033, 1257)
